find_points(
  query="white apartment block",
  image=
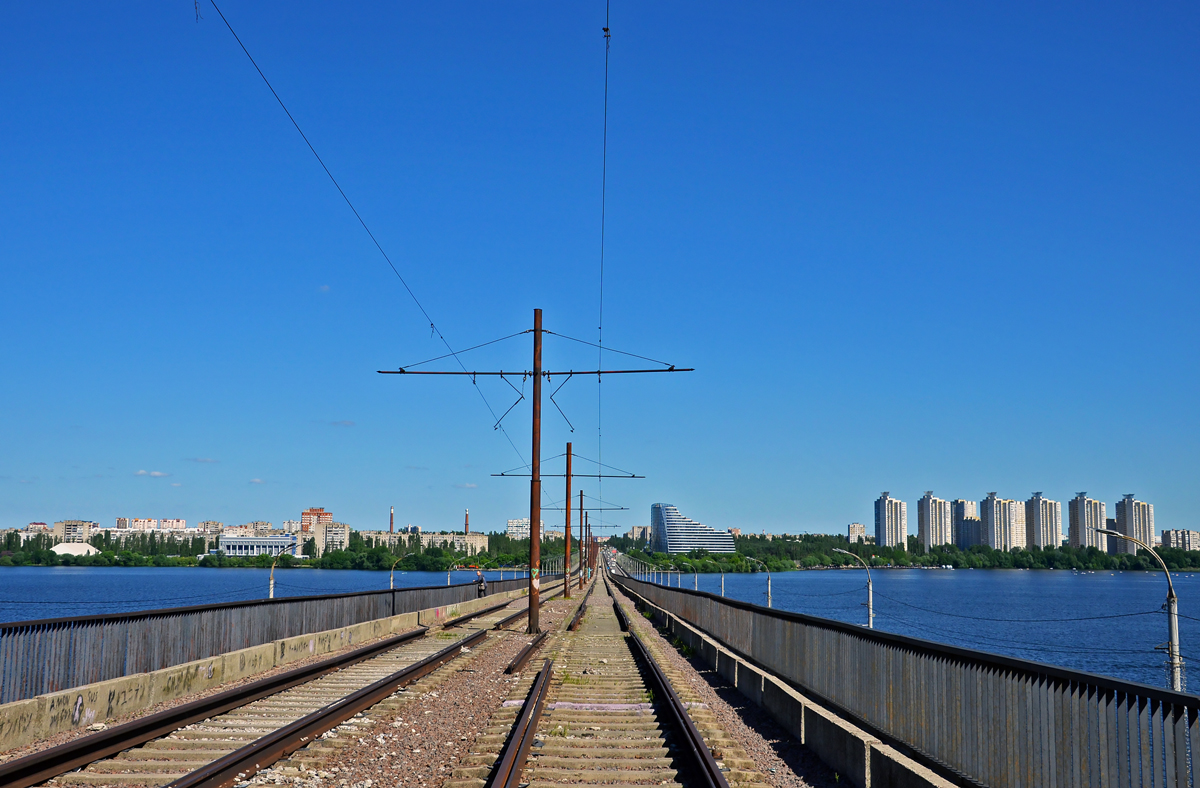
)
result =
(519, 529)
(460, 543)
(934, 527)
(139, 524)
(1181, 540)
(74, 531)
(1003, 521)
(211, 527)
(855, 533)
(1134, 518)
(291, 526)
(123, 523)
(1084, 517)
(172, 525)
(891, 522)
(1043, 522)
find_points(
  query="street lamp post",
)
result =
(870, 588)
(271, 590)
(392, 577)
(1174, 660)
(768, 571)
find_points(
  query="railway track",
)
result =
(601, 712)
(225, 738)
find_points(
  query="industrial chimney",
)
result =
(467, 522)
(392, 521)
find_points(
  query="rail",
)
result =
(998, 721)
(48, 655)
(507, 771)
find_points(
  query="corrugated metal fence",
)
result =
(997, 720)
(43, 656)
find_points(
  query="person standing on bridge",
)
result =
(481, 584)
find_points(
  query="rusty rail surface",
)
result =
(244, 763)
(524, 655)
(995, 720)
(507, 772)
(41, 766)
(697, 758)
(48, 655)
(573, 624)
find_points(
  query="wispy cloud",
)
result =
(466, 486)
(341, 424)
(257, 481)
(201, 459)
(176, 484)
(155, 474)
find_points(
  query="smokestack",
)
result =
(467, 522)
(392, 521)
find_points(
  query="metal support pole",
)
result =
(722, 584)
(870, 586)
(567, 550)
(535, 481)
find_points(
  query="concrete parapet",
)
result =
(189, 678)
(20, 722)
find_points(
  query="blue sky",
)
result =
(906, 246)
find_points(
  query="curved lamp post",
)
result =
(870, 588)
(1174, 660)
(271, 590)
(768, 571)
(392, 576)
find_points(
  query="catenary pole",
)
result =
(535, 481)
(567, 552)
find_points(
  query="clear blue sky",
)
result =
(907, 246)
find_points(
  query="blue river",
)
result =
(1101, 622)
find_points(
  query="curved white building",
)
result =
(671, 532)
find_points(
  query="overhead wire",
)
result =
(433, 327)
(603, 208)
(1016, 620)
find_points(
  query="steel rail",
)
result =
(525, 654)
(704, 766)
(41, 766)
(578, 617)
(464, 619)
(502, 623)
(261, 753)
(510, 764)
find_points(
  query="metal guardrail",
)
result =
(48, 655)
(997, 720)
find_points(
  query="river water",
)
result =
(1102, 622)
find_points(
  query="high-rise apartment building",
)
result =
(144, 524)
(671, 532)
(1181, 540)
(122, 523)
(934, 525)
(891, 522)
(211, 527)
(172, 525)
(1003, 522)
(1134, 518)
(74, 531)
(855, 533)
(519, 528)
(1084, 516)
(965, 522)
(1043, 522)
(311, 518)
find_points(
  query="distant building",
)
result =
(260, 527)
(459, 543)
(1043, 522)
(671, 532)
(1084, 517)
(139, 524)
(855, 533)
(291, 526)
(123, 523)
(1134, 518)
(250, 546)
(311, 518)
(172, 525)
(36, 528)
(74, 531)
(891, 522)
(965, 522)
(1003, 522)
(935, 527)
(736, 532)
(211, 527)
(330, 536)
(519, 529)
(639, 533)
(1181, 540)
